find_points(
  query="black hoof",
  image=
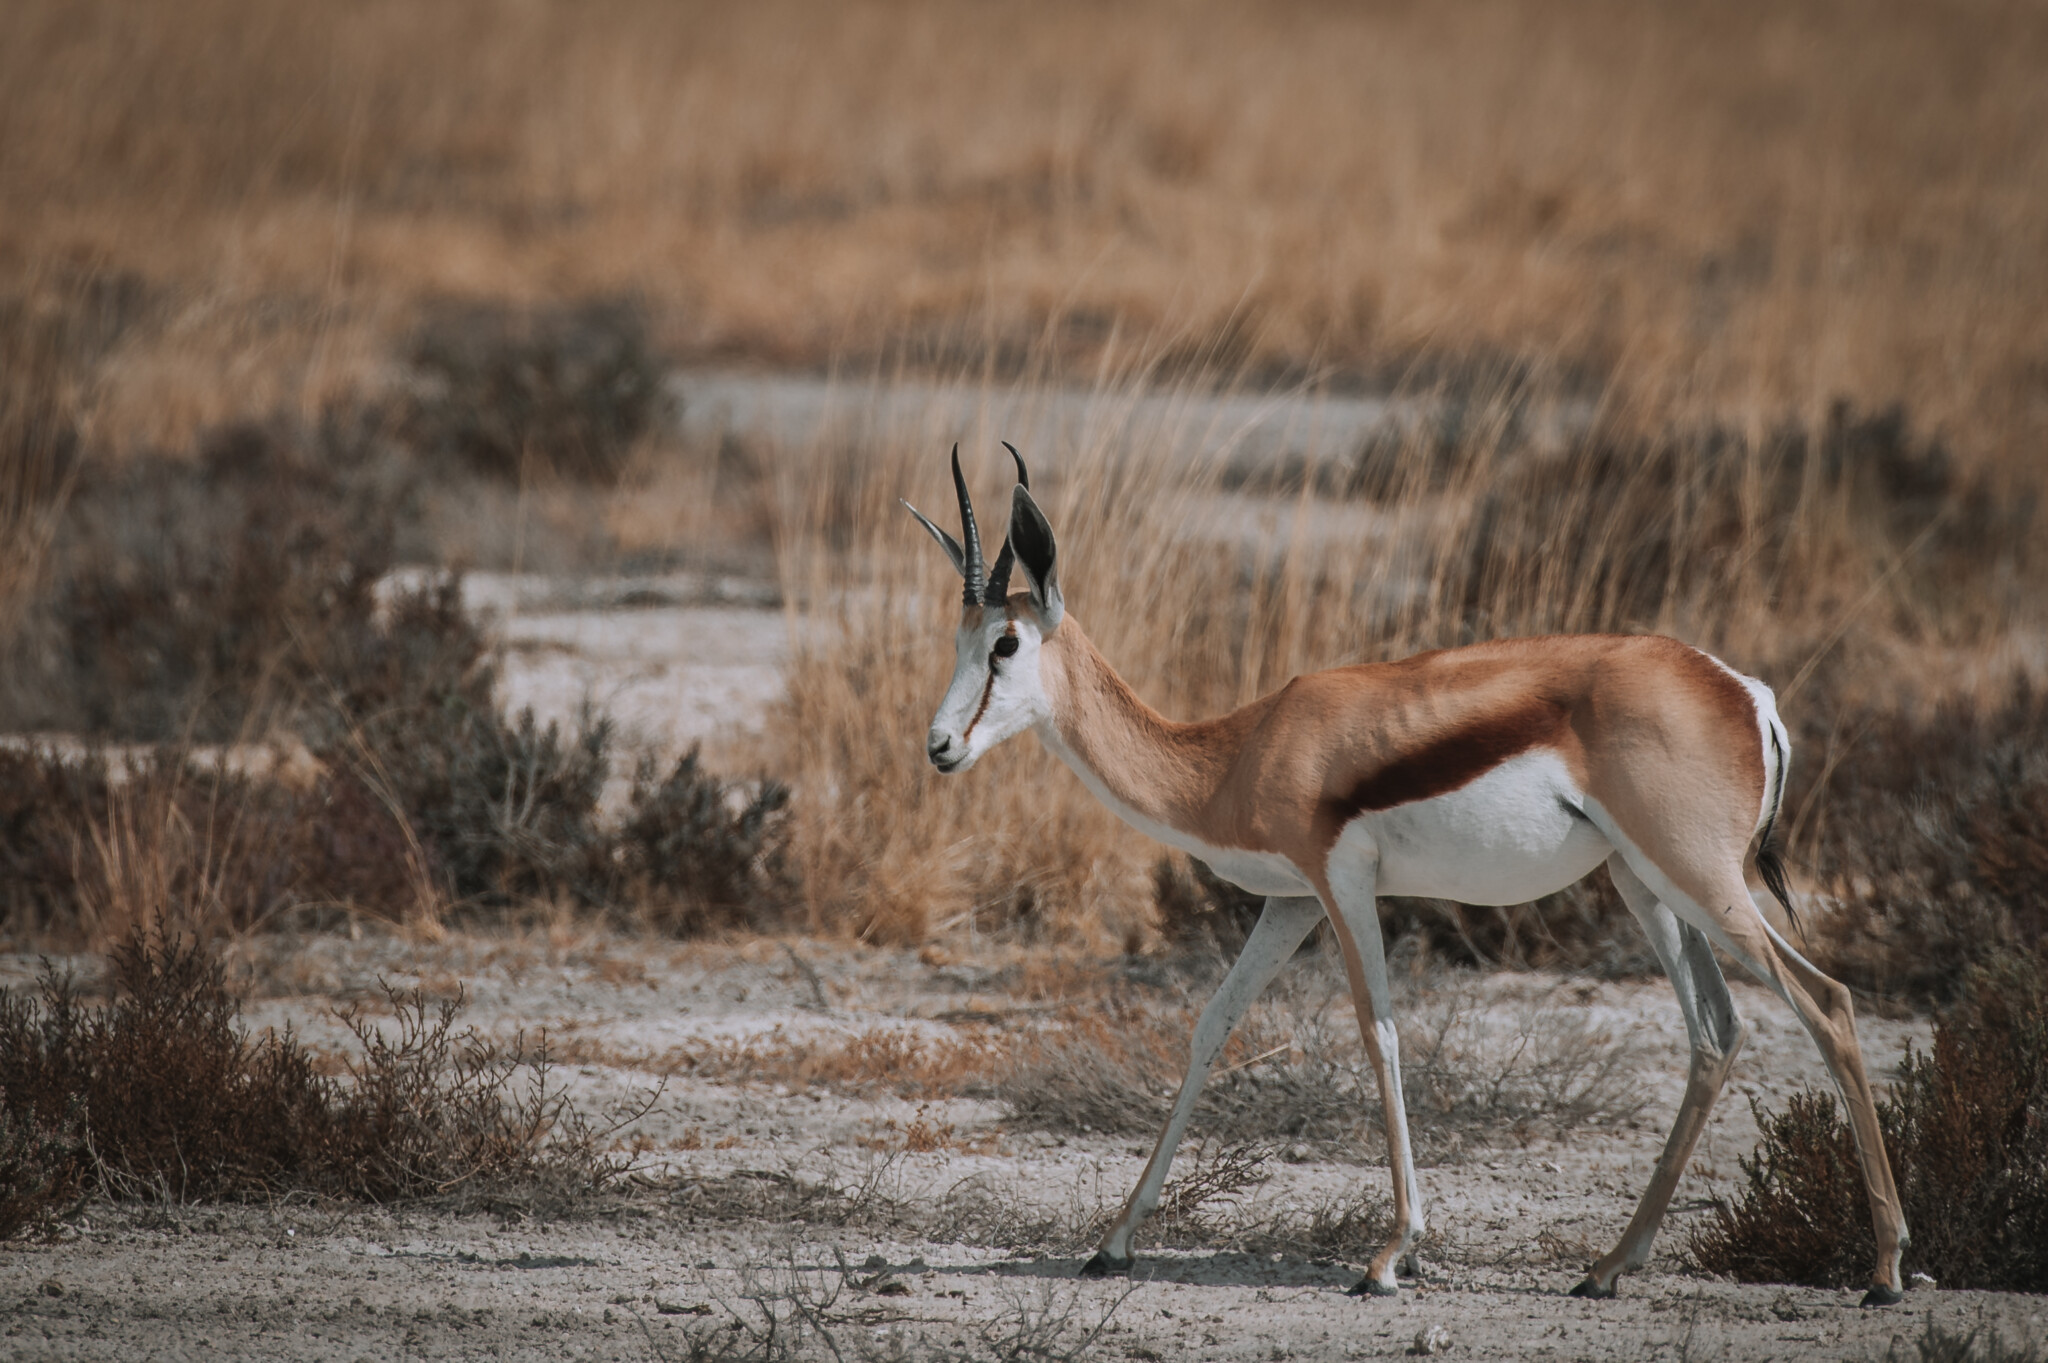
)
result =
(1373, 1287)
(1880, 1295)
(1102, 1266)
(1589, 1287)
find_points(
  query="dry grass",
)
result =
(1835, 561)
(1790, 256)
(1754, 209)
(1966, 1129)
(877, 1061)
(160, 1094)
(1476, 1071)
(1932, 838)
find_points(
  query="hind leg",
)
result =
(1709, 893)
(1716, 1037)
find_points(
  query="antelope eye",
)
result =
(1006, 645)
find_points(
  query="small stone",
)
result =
(1432, 1339)
(1918, 1281)
(50, 1287)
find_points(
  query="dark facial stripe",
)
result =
(1453, 759)
(987, 689)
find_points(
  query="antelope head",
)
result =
(996, 689)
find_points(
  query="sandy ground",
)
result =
(639, 1277)
(680, 659)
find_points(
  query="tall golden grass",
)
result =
(1786, 564)
(1706, 216)
(1750, 208)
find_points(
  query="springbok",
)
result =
(1491, 774)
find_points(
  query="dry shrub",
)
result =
(876, 1061)
(1937, 1343)
(98, 849)
(54, 333)
(1931, 834)
(1584, 928)
(699, 853)
(158, 1093)
(1474, 1072)
(560, 393)
(1199, 911)
(1213, 1179)
(237, 596)
(41, 1172)
(187, 600)
(425, 808)
(1213, 1204)
(758, 1196)
(1967, 1132)
(793, 1311)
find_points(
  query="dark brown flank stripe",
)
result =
(1453, 759)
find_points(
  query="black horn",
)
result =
(999, 576)
(974, 567)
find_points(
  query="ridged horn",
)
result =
(974, 567)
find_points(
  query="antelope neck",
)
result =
(1155, 772)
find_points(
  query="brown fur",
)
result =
(1662, 736)
(1642, 721)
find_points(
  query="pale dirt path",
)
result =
(303, 1283)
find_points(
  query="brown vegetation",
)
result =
(1931, 833)
(1966, 1128)
(1827, 563)
(1788, 259)
(159, 1094)
(1750, 210)
(1294, 1071)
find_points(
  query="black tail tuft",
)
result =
(1770, 854)
(1770, 864)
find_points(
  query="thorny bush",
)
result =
(158, 1093)
(243, 596)
(1966, 1128)
(1931, 835)
(560, 393)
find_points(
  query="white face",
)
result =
(996, 690)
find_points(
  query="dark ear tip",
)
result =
(1023, 474)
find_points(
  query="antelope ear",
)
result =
(1031, 539)
(946, 541)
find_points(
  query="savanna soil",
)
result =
(639, 1274)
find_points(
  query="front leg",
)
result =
(1350, 884)
(1282, 925)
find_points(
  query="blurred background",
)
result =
(450, 452)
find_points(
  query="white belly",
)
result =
(1259, 872)
(1508, 837)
